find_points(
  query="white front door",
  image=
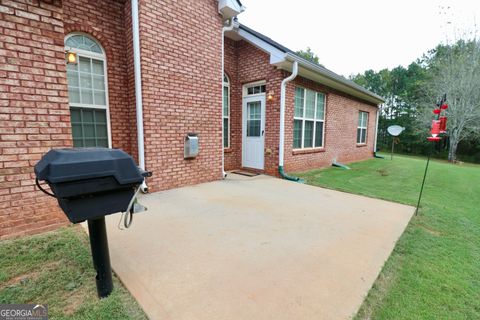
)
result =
(253, 131)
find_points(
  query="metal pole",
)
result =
(100, 255)
(423, 182)
(393, 145)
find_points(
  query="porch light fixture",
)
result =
(270, 96)
(71, 57)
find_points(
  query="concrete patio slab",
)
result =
(255, 248)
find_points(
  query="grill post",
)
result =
(101, 257)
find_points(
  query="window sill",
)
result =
(228, 150)
(307, 151)
(359, 145)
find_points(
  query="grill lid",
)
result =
(73, 164)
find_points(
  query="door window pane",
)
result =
(253, 128)
(253, 119)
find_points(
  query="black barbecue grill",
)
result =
(90, 183)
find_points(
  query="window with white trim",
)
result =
(309, 119)
(362, 127)
(258, 89)
(226, 111)
(87, 92)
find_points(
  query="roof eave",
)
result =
(331, 79)
(283, 58)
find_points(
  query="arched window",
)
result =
(226, 111)
(88, 92)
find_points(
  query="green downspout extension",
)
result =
(287, 177)
(340, 165)
(375, 155)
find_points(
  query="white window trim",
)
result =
(97, 56)
(310, 119)
(253, 84)
(227, 84)
(360, 112)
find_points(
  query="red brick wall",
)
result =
(181, 83)
(341, 119)
(245, 63)
(34, 114)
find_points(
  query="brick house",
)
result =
(144, 78)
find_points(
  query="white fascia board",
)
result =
(312, 72)
(306, 69)
(276, 55)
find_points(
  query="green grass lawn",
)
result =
(434, 270)
(56, 268)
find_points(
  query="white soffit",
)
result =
(276, 55)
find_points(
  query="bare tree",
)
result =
(457, 73)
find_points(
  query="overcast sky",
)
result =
(352, 36)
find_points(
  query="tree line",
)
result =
(411, 92)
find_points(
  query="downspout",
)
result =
(224, 29)
(281, 144)
(138, 88)
(376, 137)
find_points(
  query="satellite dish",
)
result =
(395, 130)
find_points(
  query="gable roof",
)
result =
(265, 38)
(283, 58)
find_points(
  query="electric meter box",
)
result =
(90, 182)
(191, 146)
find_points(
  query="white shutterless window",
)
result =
(362, 127)
(226, 111)
(309, 119)
(88, 92)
